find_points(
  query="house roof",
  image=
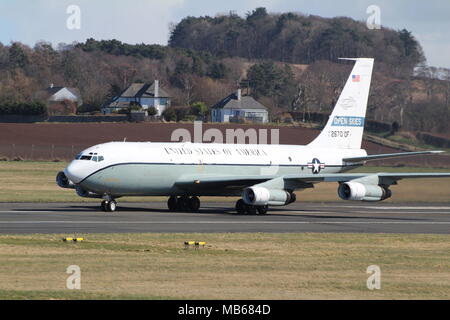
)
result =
(76, 92)
(232, 102)
(50, 91)
(117, 104)
(143, 90)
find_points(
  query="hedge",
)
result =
(23, 108)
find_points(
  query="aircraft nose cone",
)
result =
(74, 172)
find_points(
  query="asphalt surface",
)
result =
(342, 217)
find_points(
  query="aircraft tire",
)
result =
(250, 210)
(183, 204)
(262, 209)
(194, 204)
(111, 206)
(172, 204)
(240, 207)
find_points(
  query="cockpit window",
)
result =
(90, 157)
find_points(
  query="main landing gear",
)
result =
(192, 204)
(243, 208)
(184, 203)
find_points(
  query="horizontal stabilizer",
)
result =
(390, 155)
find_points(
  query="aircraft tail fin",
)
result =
(345, 127)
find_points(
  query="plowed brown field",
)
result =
(62, 141)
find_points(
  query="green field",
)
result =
(35, 182)
(231, 266)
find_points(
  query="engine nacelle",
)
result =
(259, 196)
(356, 191)
(64, 182)
(86, 194)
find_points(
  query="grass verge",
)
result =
(35, 182)
(231, 266)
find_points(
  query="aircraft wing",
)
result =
(383, 178)
(389, 156)
(297, 181)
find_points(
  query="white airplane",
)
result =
(264, 175)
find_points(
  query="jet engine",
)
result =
(356, 191)
(64, 182)
(259, 196)
(86, 194)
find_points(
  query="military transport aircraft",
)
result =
(264, 175)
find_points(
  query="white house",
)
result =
(144, 94)
(237, 108)
(59, 94)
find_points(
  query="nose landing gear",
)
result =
(109, 205)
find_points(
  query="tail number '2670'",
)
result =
(339, 134)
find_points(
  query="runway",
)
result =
(342, 217)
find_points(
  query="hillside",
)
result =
(297, 38)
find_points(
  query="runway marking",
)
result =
(230, 222)
(299, 212)
(396, 208)
(16, 211)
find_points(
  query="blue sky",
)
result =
(137, 21)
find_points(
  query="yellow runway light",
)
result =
(68, 239)
(194, 244)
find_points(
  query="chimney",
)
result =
(156, 88)
(157, 94)
(239, 94)
(51, 85)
